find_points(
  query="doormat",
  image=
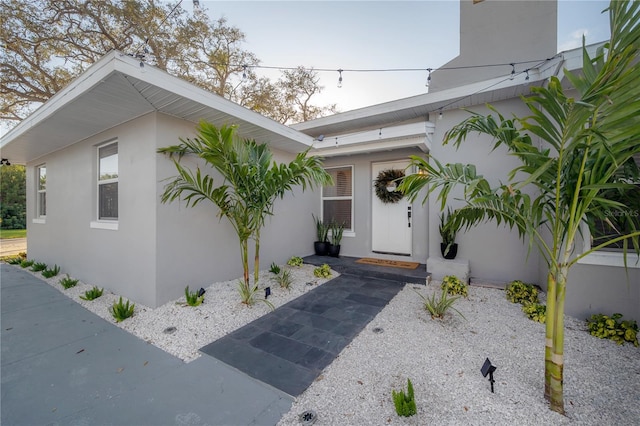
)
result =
(385, 262)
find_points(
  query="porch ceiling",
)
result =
(116, 90)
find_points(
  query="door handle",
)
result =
(409, 216)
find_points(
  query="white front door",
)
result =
(391, 222)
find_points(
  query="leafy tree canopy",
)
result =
(47, 43)
(12, 197)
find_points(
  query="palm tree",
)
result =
(587, 153)
(250, 185)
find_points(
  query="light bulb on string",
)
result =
(244, 73)
(527, 77)
(340, 78)
(428, 83)
(513, 71)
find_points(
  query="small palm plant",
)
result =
(194, 298)
(438, 306)
(121, 311)
(92, 294)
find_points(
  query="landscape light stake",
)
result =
(201, 292)
(267, 292)
(487, 368)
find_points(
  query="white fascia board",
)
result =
(385, 138)
(159, 78)
(92, 76)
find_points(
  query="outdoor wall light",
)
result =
(201, 292)
(487, 368)
(267, 292)
(4, 162)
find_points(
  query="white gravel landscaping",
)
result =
(441, 357)
(221, 312)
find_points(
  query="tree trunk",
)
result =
(256, 264)
(557, 356)
(550, 322)
(244, 248)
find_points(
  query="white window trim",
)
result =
(105, 223)
(40, 218)
(111, 225)
(606, 258)
(347, 232)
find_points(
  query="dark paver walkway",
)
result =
(63, 365)
(289, 347)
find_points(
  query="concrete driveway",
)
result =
(12, 246)
(63, 365)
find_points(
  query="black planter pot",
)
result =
(334, 251)
(321, 248)
(453, 251)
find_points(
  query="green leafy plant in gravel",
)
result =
(68, 282)
(248, 295)
(192, 297)
(14, 260)
(519, 292)
(606, 327)
(295, 261)
(454, 286)
(121, 311)
(92, 294)
(535, 311)
(51, 272)
(405, 403)
(323, 271)
(284, 279)
(38, 267)
(274, 269)
(438, 306)
(26, 263)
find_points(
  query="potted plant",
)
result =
(449, 228)
(321, 245)
(336, 238)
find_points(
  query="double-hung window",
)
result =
(108, 181)
(41, 189)
(337, 199)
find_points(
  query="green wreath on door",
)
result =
(386, 184)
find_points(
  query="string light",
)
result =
(340, 78)
(513, 71)
(428, 83)
(527, 77)
(244, 73)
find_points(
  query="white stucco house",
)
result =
(100, 218)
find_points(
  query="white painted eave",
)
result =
(413, 135)
(116, 89)
(421, 106)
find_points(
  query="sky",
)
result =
(373, 35)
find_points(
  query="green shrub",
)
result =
(284, 279)
(38, 266)
(51, 272)
(323, 271)
(248, 295)
(192, 297)
(14, 260)
(405, 403)
(606, 327)
(274, 269)
(437, 307)
(519, 292)
(92, 294)
(26, 263)
(121, 311)
(535, 312)
(294, 261)
(453, 285)
(68, 282)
